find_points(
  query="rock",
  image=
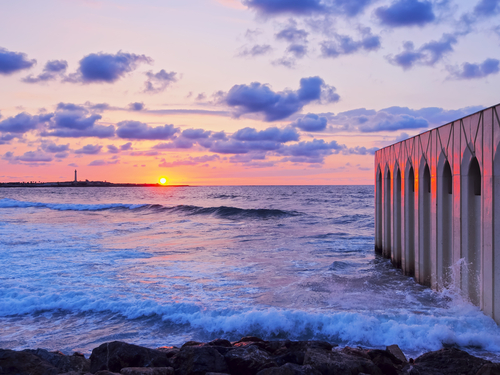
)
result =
(106, 372)
(396, 352)
(169, 351)
(220, 342)
(338, 363)
(249, 339)
(385, 361)
(24, 363)
(448, 361)
(290, 369)
(191, 343)
(216, 373)
(65, 363)
(249, 360)
(147, 371)
(113, 356)
(356, 352)
(198, 360)
(489, 369)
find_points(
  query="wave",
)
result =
(464, 326)
(221, 211)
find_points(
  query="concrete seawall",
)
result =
(437, 206)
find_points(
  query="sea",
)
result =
(159, 266)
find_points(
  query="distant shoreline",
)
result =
(78, 184)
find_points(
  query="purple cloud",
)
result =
(406, 13)
(311, 123)
(475, 71)
(158, 82)
(11, 62)
(139, 130)
(89, 150)
(52, 70)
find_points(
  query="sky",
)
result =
(234, 92)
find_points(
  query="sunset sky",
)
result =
(234, 92)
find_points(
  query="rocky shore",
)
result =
(248, 356)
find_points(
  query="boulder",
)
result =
(198, 360)
(248, 360)
(489, 369)
(220, 342)
(396, 352)
(113, 356)
(65, 363)
(290, 369)
(338, 363)
(24, 363)
(147, 371)
(385, 361)
(448, 361)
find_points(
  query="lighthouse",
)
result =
(75, 177)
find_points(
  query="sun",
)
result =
(162, 180)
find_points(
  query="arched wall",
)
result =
(441, 192)
(409, 266)
(424, 254)
(378, 211)
(444, 221)
(387, 244)
(397, 223)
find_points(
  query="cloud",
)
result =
(429, 54)
(34, 157)
(259, 98)
(311, 151)
(158, 82)
(345, 45)
(61, 155)
(89, 150)
(297, 50)
(11, 62)
(139, 130)
(196, 134)
(126, 146)
(487, 8)
(360, 151)
(406, 13)
(256, 50)
(394, 118)
(270, 134)
(53, 148)
(136, 106)
(52, 70)
(311, 123)
(98, 131)
(112, 149)
(292, 34)
(189, 161)
(307, 7)
(106, 68)
(23, 122)
(100, 162)
(475, 71)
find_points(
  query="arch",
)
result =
(471, 227)
(386, 251)
(424, 210)
(496, 234)
(444, 221)
(397, 248)
(409, 213)
(378, 211)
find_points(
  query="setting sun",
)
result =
(163, 181)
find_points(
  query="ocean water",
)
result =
(161, 266)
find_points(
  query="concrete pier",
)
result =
(437, 207)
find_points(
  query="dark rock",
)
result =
(250, 339)
(113, 356)
(385, 361)
(24, 363)
(356, 352)
(489, 369)
(198, 360)
(338, 363)
(192, 343)
(396, 352)
(249, 360)
(147, 371)
(169, 351)
(290, 369)
(65, 363)
(448, 361)
(220, 342)
(106, 372)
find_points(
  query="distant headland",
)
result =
(76, 183)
